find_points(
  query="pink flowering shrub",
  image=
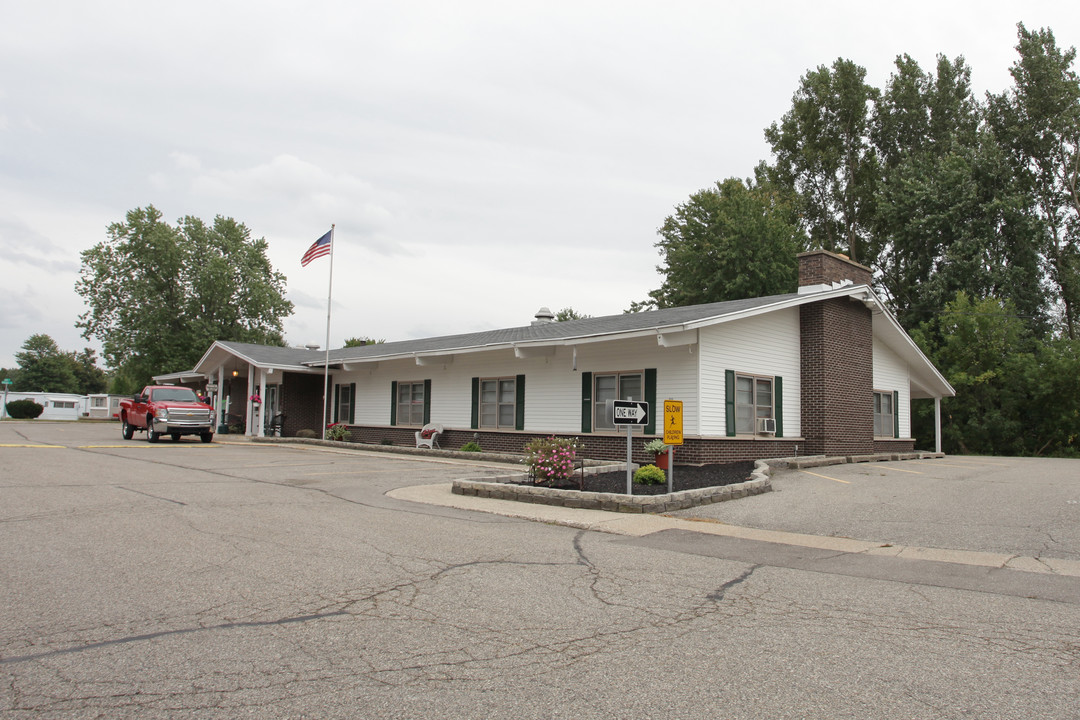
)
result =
(550, 459)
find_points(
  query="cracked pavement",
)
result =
(227, 581)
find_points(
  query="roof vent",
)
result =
(543, 315)
(312, 347)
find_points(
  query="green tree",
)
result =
(730, 242)
(362, 341)
(159, 295)
(569, 313)
(44, 367)
(823, 155)
(1038, 120)
(89, 378)
(951, 214)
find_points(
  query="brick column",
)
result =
(837, 377)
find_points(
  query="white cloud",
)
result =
(495, 156)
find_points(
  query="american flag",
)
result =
(319, 248)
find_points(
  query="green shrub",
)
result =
(650, 475)
(471, 446)
(24, 409)
(386, 441)
(307, 433)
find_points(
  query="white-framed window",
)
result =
(884, 414)
(614, 386)
(753, 401)
(410, 403)
(344, 403)
(99, 402)
(498, 402)
(64, 404)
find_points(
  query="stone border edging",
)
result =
(500, 489)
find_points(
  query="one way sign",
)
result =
(630, 412)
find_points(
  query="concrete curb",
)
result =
(641, 524)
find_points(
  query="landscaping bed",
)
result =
(687, 477)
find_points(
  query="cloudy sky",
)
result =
(480, 159)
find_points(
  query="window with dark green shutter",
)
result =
(411, 403)
(753, 404)
(499, 405)
(620, 386)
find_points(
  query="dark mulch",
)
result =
(687, 477)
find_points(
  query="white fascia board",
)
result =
(440, 359)
(676, 338)
(523, 352)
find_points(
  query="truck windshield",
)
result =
(180, 394)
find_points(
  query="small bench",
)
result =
(428, 436)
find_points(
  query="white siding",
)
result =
(763, 345)
(552, 386)
(892, 373)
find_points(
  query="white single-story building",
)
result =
(826, 370)
(58, 406)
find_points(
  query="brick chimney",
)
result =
(821, 267)
(837, 362)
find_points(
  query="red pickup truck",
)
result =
(166, 410)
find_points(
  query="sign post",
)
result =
(629, 413)
(673, 435)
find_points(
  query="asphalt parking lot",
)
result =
(258, 580)
(1021, 506)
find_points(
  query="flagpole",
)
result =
(329, 303)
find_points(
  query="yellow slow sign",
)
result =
(673, 422)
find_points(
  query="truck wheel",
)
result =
(151, 434)
(175, 437)
(127, 430)
(207, 437)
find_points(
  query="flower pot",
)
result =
(661, 460)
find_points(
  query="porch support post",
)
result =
(247, 402)
(937, 424)
(261, 431)
(219, 398)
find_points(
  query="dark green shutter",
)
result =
(586, 402)
(895, 414)
(427, 401)
(650, 397)
(778, 404)
(519, 400)
(475, 403)
(352, 403)
(337, 401)
(729, 401)
(393, 402)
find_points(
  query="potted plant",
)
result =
(659, 449)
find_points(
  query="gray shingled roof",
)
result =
(567, 330)
(266, 355)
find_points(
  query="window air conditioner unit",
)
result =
(766, 426)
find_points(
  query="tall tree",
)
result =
(44, 367)
(734, 241)
(951, 215)
(159, 295)
(1038, 120)
(89, 378)
(823, 153)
